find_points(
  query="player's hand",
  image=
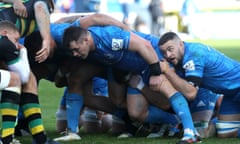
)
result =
(19, 46)
(155, 82)
(164, 66)
(44, 52)
(20, 9)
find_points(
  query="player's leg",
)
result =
(10, 86)
(180, 107)
(202, 109)
(32, 112)
(228, 123)
(61, 118)
(92, 118)
(79, 73)
(144, 112)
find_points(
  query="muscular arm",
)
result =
(42, 17)
(94, 20)
(143, 48)
(18, 6)
(183, 86)
(102, 20)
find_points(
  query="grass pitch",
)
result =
(50, 97)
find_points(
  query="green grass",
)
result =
(50, 97)
(230, 48)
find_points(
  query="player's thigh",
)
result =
(229, 118)
(117, 93)
(31, 85)
(136, 104)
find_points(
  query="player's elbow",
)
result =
(40, 6)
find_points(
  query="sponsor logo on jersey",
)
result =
(189, 65)
(117, 44)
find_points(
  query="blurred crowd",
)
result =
(141, 15)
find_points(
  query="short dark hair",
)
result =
(166, 37)
(5, 24)
(72, 33)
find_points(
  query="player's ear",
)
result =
(4, 32)
(181, 43)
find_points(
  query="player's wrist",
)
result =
(155, 69)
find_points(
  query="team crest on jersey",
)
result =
(189, 65)
(117, 44)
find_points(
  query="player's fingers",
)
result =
(24, 14)
(40, 59)
(41, 56)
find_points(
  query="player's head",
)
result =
(76, 39)
(9, 30)
(172, 47)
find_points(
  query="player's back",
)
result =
(219, 72)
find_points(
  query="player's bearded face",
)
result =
(79, 49)
(170, 52)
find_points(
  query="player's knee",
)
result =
(227, 129)
(136, 114)
(15, 81)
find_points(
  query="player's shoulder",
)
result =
(197, 48)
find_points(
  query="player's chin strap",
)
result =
(225, 127)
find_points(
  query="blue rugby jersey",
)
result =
(219, 73)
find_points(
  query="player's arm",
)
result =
(145, 49)
(18, 6)
(94, 20)
(102, 20)
(69, 19)
(188, 86)
(42, 17)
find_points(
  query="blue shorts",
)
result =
(229, 106)
(205, 100)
